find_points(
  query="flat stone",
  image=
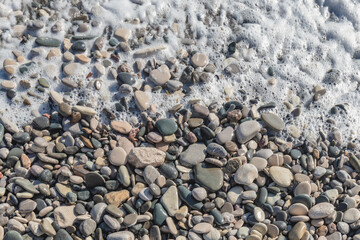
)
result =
(160, 75)
(111, 222)
(123, 33)
(94, 179)
(199, 60)
(202, 228)
(79, 46)
(199, 193)
(351, 215)
(47, 228)
(117, 156)
(27, 185)
(7, 84)
(247, 130)
(202, 173)
(62, 234)
(88, 111)
(14, 224)
(193, 155)
(169, 171)
(214, 234)
(273, 121)
(150, 174)
(216, 150)
(142, 100)
(259, 214)
(72, 69)
(122, 235)
(334, 236)
(140, 157)
(62, 189)
(98, 211)
(321, 210)
(259, 162)
(116, 198)
(160, 214)
(225, 135)
(233, 195)
(170, 200)
(298, 209)
(48, 42)
(166, 126)
(246, 174)
(298, 231)
(27, 206)
(41, 123)
(65, 216)
(281, 176)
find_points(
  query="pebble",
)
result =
(298, 209)
(141, 157)
(142, 100)
(281, 176)
(199, 193)
(166, 126)
(161, 75)
(64, 216)
(225, 135)
(199, 60)
(117, 156)
(246, 174)
(123, 33)
(273, 121)
(170, 200)
(202, 228)
(247, 130)
(122, 235)
(193, 155)
(87, 227)
(48, 42)
(351, 215)
(202, 173)
(298, 231)
(321, 210)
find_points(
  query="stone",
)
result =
(321, 210)
(72, 69)
(259, 162)
(246, 174)
(160, 214)
(48, 42)
(117, 156)
(216, 150)
(166, 126)
(202, 173)
(199, 60)
(214, 234)
(62, 234)
(27, 206)
(302, 188)
(160, 75)
(187, 197)
(259, 214)
(126, 78)
(12, 235)
(123, 33)
(65, 216)
(233, 195)
(281, 176)
(273, 121)
(98, 211)
(298, 231)
(170, 200)
(94, 179)
(116, 198)
(193, 155)
(199, 193)
(122, 235)
(247, 130)
(79, 46)
(88, 111)
(27, 185)
(7, 84)
(150, 174)
(225, 135)
(142, 100)
(140, 157)
(202, 228)
(47, 228)
(298, 209)
(87, 227)
(62, 189)
(351, 215)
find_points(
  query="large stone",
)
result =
(281, 176)
(140, 157)
(193, 155)
(273, 121)
(170, 200)
(298, 231)
(160, 75)
(65, 216)
(117, 198)
(246, 174)
(321, 210)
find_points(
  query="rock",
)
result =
(72, 69)
(199, 60)
(302, 188)
(9, 66)
(126, 78)
(199, 193)
(281, 176)
(123, 33)
(298, 231)
(214, 234)
(142, 100)
(351, 215)
(166, 126)
(298, 209)
(87, 227)
(140, 157)
(12, 235)
(7, 84)
(186, 196)
(62, 234)
(47, 228)
(160, 75)
(116, 198)
(9, 125)
(321, 210)
(193, 155)
(79, 46)
(27, 206)
(65, 216)
(98, 211)
(170, 200)
(202, 173)
(216, 150)
(246, 174)
(259, 162)
(94, 179)
(202, 228)
(88, 111)
(150, 174)
(117, 156)
(225, 136)
(122, 235)
(273, 121)
(27, 185)
(160, 214)
(48, 42)
(259, 214)
(247, 130)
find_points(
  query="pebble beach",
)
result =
(151, 120)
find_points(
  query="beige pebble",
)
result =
(68, 56)
(123, 33)
(54, 52)
(160, 75)
(142, 100)
(121, 126)
(67, 44)
(82, 58)
(85, 110)
(9, 66)
(199, 60)
(7, 84)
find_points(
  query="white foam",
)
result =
(301, 41)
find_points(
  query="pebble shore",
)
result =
(142, 170)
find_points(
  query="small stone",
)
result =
(140, 157)
(48, 42)
(87, 227)
(97, 211)
(302, 188)
(202, 228)
(321, 210)
(78, 46)
(142, 100)
(199, 60)
(193, 155)
(351, 215)
(247, 130)
(225, 136)
(246, 174)
(47, 228)
(88, 111)
(116, 198)
(281, 176)
(123, 33)
(130, 219)
(170, 200)
(298, 209)
(64, 216)
(72, 69)
(199, 193)
(122, 235)
(202, 173)
(160, 75)
(117, 156)
(166, 126)
(12, 235)
(259, 214)
(7, 84)
(273, 121)
(298, 231)
(216, 150)
(94, 179)
(126, 78)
